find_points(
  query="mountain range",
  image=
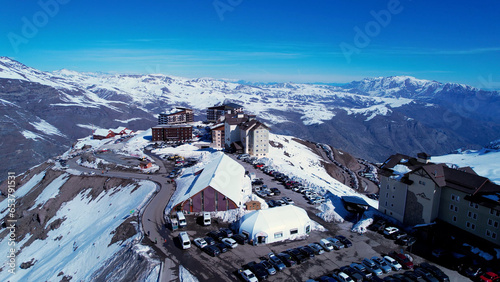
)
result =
(43, 113)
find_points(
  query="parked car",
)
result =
(473, 272)
(354, 274)
(209, 240)
(276, 191)
(318, 250)
(438, 273)
(402, 277)
(415, 276)
(427, 275)
(200, 243)
(216, 235)
(378, 226)
(326, 244)
(397, 235)
(372, 266)
(286, 259)
(306, 251)
(341, 276)
(297, 255)
(325, 278)
(390, 230)
(367, 275)
(394, 264)
(344, 241)
(258, 269)
(269, 267)
(406, 241)
(280, 203)
(239, 238)
(230, 243)
(337, 245)
(402, 259)
(288, 201)
(489, 277)
(276, 262)
(386, 268)
(222, 247)
(247, 275)
(226, 232)
(211, 250)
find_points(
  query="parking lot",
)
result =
(223, 267)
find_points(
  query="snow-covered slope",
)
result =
(485, 162)
(372, 118)
(76, 221)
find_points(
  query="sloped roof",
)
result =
(222, 174)
(101, 132)
(274, 220)
(252, 125)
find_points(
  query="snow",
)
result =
(305, 166)
(495, 198)
(31, 135)
(328, 214)
(83, 238)
(127, 120)
(46, 128)
(366, 220)
(51, 191)
(185, 275)
(484, 162)
(399, 171)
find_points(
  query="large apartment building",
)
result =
(416, 191)
(245, 134)
(218, 140)
(254, 136)
(215, 113)
(176, 116)
(167, 132)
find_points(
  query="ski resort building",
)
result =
(170, 132)
(100, 134)
(176, 116)
(244, 134)
(216, 112)
(220, 186)
(254, 137)
(416, 191)
(275, 224)
(218, 136)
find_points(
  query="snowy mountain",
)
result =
(44, 111)
(485, 161)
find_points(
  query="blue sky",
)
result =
(254, 40)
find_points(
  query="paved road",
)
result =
(152, 219)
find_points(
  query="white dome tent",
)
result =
(275, 224)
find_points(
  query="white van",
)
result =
(184, 239)
(182, 219)
(206, 219)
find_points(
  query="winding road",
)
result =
(152, 219)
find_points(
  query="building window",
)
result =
(294, 231)
(455, 198)
(470, 225)
(278, 235)
(387, 195)
(472, 215)
(308, 229)
(473, 205)
(454, 219)
(421, 182)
